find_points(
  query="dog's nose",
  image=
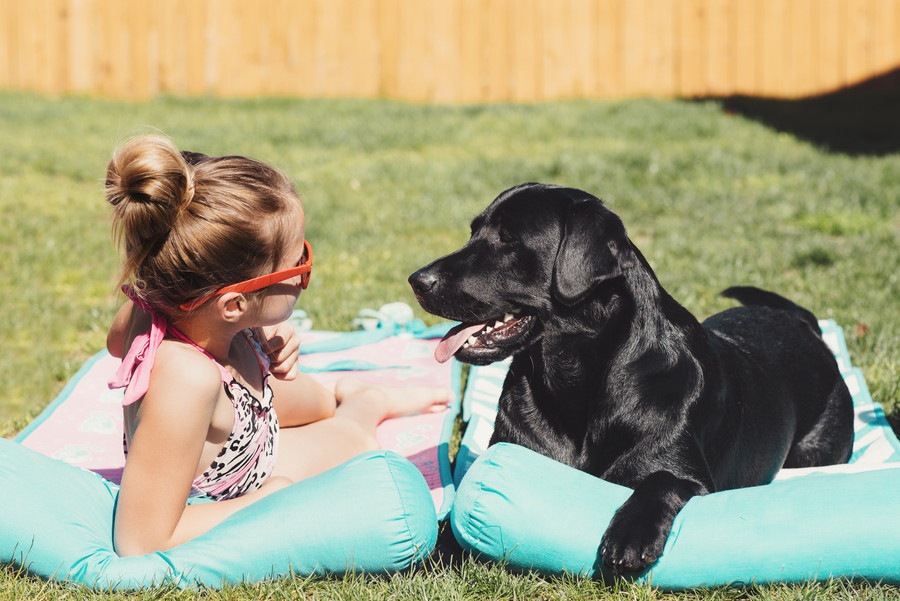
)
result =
(423, 281)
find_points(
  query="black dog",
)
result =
(612, 376)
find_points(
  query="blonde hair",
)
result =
(190, 223)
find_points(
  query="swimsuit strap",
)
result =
(261, 357)
(134, 373)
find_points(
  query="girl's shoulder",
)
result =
(182, 371)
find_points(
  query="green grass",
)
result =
(712, 199)
(470, 581)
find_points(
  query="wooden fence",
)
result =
(446, 51)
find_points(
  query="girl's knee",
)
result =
(349, 435)
(360, 436)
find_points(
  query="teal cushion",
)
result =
(530, 512)
(373, 513)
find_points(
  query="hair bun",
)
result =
(148, 169)
(149, 183)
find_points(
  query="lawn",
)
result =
(712, 198)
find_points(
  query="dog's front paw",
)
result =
(631, 546)
(637, 533)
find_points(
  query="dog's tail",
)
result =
(749, 295)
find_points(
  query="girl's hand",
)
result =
(282, 345)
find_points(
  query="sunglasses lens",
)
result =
(304, 279)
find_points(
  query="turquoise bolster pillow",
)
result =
(373, 513)
(530, 512)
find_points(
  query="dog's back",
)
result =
(774, 345)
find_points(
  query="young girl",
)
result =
(214, 252)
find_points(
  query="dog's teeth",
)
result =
(507, 317)
(472, 340)
(497, 324)
(466, 345)
(489, 329)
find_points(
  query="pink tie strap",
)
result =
(134, 372)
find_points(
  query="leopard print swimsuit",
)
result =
(248, 456)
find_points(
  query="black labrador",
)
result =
(612, 376)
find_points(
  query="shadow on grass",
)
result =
(447, 552)
(861, 120)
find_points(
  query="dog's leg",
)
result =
(829, 439)
(637, 533)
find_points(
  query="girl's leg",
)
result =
(308, 450)
(369, 405)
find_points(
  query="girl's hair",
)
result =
(191, 223)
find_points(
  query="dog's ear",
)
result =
(590, 251)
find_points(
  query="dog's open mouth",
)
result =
(478, 342)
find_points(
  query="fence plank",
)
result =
(470, 51)
(747, 36)
(6, 45)
(608, 44)
(34, 49)
(859, 40)
(692, 27)
(497, 37)
(830, 68)
(802, 47)
(388, 41)
(580, 55)
(29, 36)
(885, 14)
(332, 61)
(720, 37)
(140, 30)
(553, 47)
(775, 55)
(633, 48)
(524, 48)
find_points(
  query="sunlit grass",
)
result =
(712, 199)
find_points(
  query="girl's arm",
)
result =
(298, 398)
(173, 422)
(301, 401)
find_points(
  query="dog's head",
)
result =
(538, 255)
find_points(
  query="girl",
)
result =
(214, 251)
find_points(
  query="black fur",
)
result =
(612, 376)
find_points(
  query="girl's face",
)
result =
(277, 303)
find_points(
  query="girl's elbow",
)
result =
(130, 544)
(126, 547)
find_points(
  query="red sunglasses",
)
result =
(304, 270)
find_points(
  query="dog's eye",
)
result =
(506, 237)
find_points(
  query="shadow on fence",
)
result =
(862, 120)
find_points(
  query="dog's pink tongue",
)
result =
(454, 339)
